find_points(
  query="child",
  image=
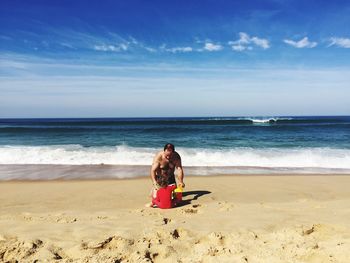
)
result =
(162, 172)
(162, 199)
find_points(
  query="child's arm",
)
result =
(156, 200)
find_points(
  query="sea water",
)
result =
(125, 147)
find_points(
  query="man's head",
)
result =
(168, 150)
(162, 181)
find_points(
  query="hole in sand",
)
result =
(175, 234)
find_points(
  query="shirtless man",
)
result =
(169, 160)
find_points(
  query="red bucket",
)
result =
(178, 196)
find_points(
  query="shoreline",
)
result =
(50, 172)
(226, 218)
(144, 177)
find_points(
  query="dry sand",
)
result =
(225, 219)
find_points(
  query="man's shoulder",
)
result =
(176, 156)
(158, 157)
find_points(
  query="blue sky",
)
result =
(174, 58)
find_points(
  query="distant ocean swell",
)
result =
(199, 157)
(76, 148)
(35, 124)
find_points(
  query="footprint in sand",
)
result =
(102, 217)
(57, 252)
(66, 220)
(165, 220)
(162, 221)
(225, 206)
(320, 229)
(189, 211)
(27, 216)
(37, 243)
(149, 211)
(180, 233)
(114, 242)
(217, 238)
(192, 210)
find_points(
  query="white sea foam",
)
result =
(266, 120)
(263, 120)
(75, 155)
(125, 155)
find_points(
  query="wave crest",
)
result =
(125, 155)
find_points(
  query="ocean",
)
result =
(99, 148)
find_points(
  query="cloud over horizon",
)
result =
(114, 48)
(245, 42)
(212, 47)
(175, 49)
(340, 42)
(303, 43)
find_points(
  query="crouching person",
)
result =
(163, 197)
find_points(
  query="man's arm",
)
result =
(180, 171)
(153, 173)
(180, 176)
(155, 166)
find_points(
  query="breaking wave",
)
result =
(125, 155)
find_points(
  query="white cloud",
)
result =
(150, 49)
(244, 38)
(241, 47)
(134, 43)
(263, 43)
(245, 42)
(238, 47)
(340, 42)
(303, 43)
(212, 47)
(181, 49)
(176, 49)
(113, 48)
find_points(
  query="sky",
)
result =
(174, 58)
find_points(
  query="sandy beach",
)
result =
(250, 218)
(244, 103)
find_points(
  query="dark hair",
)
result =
(162, 181)
(169, 146)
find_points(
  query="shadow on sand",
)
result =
(189, 196)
